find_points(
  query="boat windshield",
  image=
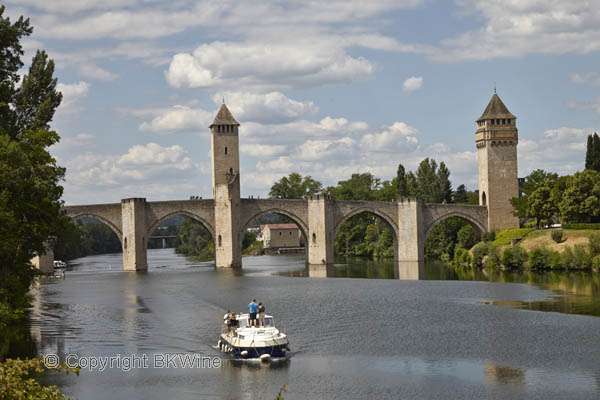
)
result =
(269, 321)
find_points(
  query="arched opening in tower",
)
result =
(483, 199)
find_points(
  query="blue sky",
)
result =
(321, 88)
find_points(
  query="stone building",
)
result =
(280, 235)
(496, 139)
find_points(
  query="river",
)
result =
(461, 334)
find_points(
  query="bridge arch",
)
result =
(370, 210)
(474, 222)
(100, 218)
(297, 220)
(389, 221)
(172, 214)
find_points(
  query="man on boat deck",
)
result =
(227, 320)
(253, 309)
(261, 314)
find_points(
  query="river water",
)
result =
(461, 334)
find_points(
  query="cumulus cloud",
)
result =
(591, 78)
(559, 150)
(265, 66)
(73, 94)
(518, 28)
(262, 150)
(81, 140)
(91, 70)
(179, 119)
(269, 107)
(132, 172)
(399, 137)
(412, 84)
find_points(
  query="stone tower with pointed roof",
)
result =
(496, 139)
(226, 188)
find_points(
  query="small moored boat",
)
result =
(60, 264)
(248, 342)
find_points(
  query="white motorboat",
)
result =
(59, 264)
(249, 342)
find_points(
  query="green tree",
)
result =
(294, 186)
(30, 206)
(359, 187)
(430, 183)
(467, 237)
(533, 181)
(460, 196)
(540, 205)
(401, 185)
(580, 201)
(592, 154)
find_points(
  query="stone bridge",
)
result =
(226, 216)
(319, 219)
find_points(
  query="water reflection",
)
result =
(576, 292)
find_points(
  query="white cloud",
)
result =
(340, 149)
(559, 150)
(73, 94)
(264, 66)
(517, 28)
(141, 165)
(412, 84)
(269, 107)
(153, 153)
(180, 119)
(399, 137)
(585, 105)
(91, 70)
(262, 150)
(81, 140)
(591, 78)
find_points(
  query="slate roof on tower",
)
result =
(495, 109)
(224, 117)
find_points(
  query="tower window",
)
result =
(220, 241)
(231, 171)
(125, 243)
(314, 238)
(493, 122)
(225, 150)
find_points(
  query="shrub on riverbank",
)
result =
(462, 257)
(594, 244)
(16, 381)
(539, 258)
(557, 235)
(514, 257)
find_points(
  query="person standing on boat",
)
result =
(233, 322)
(261, 314)
(253, 309)
(227, 320)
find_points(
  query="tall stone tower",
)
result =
(226, 188)
(496, 139)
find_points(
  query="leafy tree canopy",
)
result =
(30, 206)
(294, 186)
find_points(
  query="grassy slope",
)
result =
(571, 237)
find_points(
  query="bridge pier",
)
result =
(320, 228)
(133, 213)
(410, 258)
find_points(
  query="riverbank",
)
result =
(535, 249)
